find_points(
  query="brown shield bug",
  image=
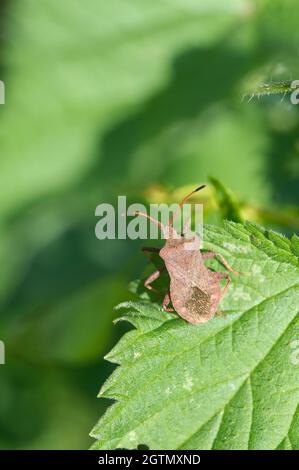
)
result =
(195, 291)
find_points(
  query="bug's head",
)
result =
(174, 247)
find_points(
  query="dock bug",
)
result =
(195, 291)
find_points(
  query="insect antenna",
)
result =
(159, 224)
(184, 202)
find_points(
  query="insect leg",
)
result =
(152, 278)
(228, 281)
(166, 302)
(210, 254)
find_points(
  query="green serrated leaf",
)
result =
(231, 383)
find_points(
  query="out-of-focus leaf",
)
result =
(228, 203)
(51, 408)
(73, 331)
(91, 90)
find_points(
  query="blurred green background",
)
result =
(122, 97)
